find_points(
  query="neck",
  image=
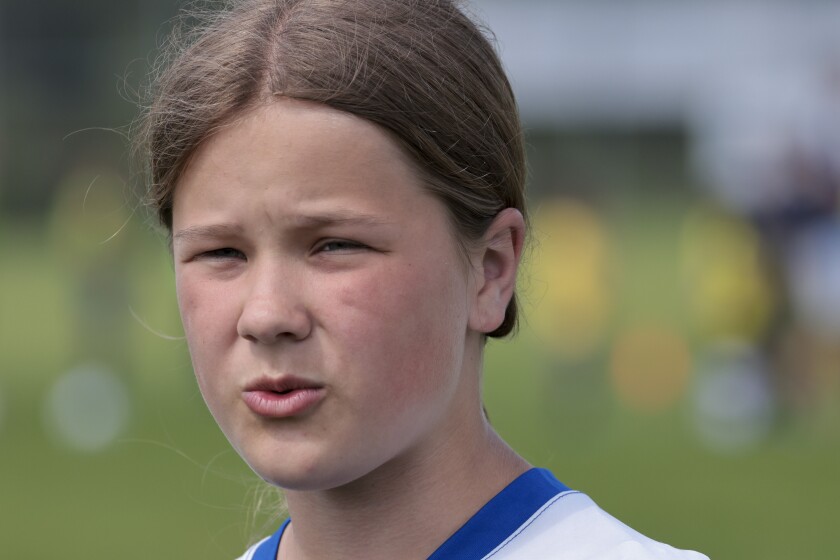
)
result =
(406, 508)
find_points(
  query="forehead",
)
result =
(302, 133)
(299, 158)
(290, 141)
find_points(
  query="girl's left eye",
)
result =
(336, 245)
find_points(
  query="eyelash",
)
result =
(338, 245)
(343, 245)
(222, 253)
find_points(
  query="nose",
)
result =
(273, 308)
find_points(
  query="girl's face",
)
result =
(324, 299)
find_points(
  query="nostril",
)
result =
(268, 320)
(250, 338)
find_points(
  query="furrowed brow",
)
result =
(338, 218)
(313, 221)
(202, 232)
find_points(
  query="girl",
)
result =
(343, 185)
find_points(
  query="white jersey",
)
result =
(534, 518)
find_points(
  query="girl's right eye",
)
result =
(224, 253)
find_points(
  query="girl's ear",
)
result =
(495, 262)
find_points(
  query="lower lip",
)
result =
(283, 405)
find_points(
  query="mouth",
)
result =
(282, 385)
(282, 397)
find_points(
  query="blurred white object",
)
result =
(650, 61)
(745, 78)
(87, 408)
(813, 269)
(733, 404)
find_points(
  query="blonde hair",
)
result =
(420, 69)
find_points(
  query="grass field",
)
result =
(169, 486)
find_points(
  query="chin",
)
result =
(305, 482)
(302, 475)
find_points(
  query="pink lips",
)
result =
(283, 397)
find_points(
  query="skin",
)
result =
(305, 245)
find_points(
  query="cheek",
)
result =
(206, 322)
(404, 328)
(202, 305)
(188, 292)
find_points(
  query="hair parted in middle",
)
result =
(420, 69)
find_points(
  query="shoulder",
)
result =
(572, 527)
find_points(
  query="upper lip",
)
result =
(282, 384)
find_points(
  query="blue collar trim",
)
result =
(485, 530)
(501, 516)
(269, 549)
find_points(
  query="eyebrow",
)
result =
(199, 232)
(338, 218)
(313, 221)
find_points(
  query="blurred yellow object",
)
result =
(650, 367)
(726, 276)
(570, 294)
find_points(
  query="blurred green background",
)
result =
(680, 354)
